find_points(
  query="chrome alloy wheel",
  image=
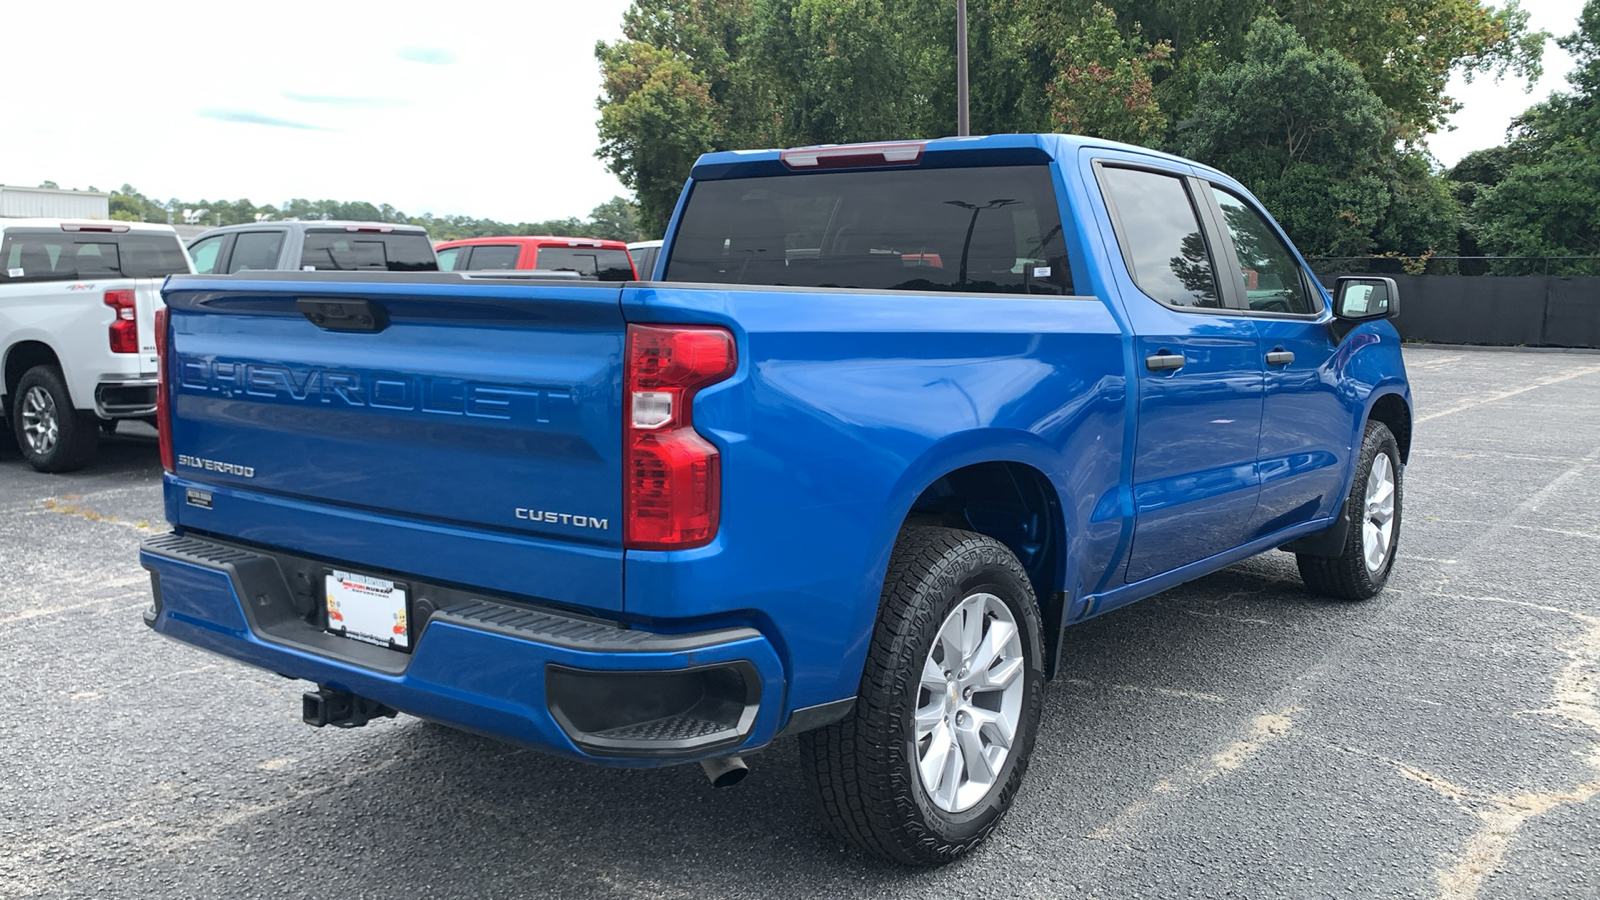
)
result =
(1377, 524)
(969, 702)
(41, 426)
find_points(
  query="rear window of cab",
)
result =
(343, 251)
(54, 255)
(993, 229)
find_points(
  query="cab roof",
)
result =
(947, 152)
(88, 225)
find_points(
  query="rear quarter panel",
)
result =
(844, 407)
(72, 319)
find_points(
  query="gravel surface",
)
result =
(1235, 737)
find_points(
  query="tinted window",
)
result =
(60, 256)
(97, 259)
(256, 250)
(206, 253)
(992, 229)
(588, 262)
(350, 250)
(494, 256)
(1161, 238)
(447, 258)
(644, 259)
(1272, 281)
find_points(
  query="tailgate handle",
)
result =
(343, 315)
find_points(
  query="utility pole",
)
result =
(963, 121)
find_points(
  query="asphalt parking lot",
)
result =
(1235, 737)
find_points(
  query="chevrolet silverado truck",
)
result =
(587, 258)
(78, 302)
(316, 246)
(892, 418)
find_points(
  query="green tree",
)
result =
(1311, 161)
(1325, 163)
(616, 219)
(1408, 49)
(1548, 201)
(656, 118)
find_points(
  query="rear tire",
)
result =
(932, 755)
(1373, 509)
(52, 435)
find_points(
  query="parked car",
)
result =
(644, 255)
(854, 492)
(592, 259)
(77, 330)
(315, 245)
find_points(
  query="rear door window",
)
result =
(494, 256)
(257, 250)
(1161, 238)
(991, 229)
(64, 256)
(589, 262)
(447, 258)
(644, 260)
(344, 251)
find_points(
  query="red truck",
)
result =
(592, 259)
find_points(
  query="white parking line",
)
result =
(1543, 382)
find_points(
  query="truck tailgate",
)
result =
(147, 294)
(470, 434)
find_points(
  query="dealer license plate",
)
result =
(368, 609)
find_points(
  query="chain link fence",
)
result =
(1510, 266)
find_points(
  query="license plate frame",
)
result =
(368, 608)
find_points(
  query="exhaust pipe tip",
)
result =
(725, 771)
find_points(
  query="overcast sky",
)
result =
(1488, 107)
(482, 108)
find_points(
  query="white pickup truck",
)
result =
(77, 330)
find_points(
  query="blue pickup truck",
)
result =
(886, 420)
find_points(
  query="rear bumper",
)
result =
(125, 398)
(556, 682)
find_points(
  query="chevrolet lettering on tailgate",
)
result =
(393, 391)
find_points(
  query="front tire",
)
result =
(53, 436)
(1373, 509)
(951, 694)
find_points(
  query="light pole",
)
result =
(963, 122)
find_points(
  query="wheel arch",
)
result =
(995, 484)
(1393, 409)
(24, 355)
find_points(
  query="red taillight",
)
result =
(169, 460)
(125, 328)
(674, 476)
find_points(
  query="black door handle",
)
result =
(1280, 358)
(1163, 361)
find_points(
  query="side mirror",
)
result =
(1362, 297)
